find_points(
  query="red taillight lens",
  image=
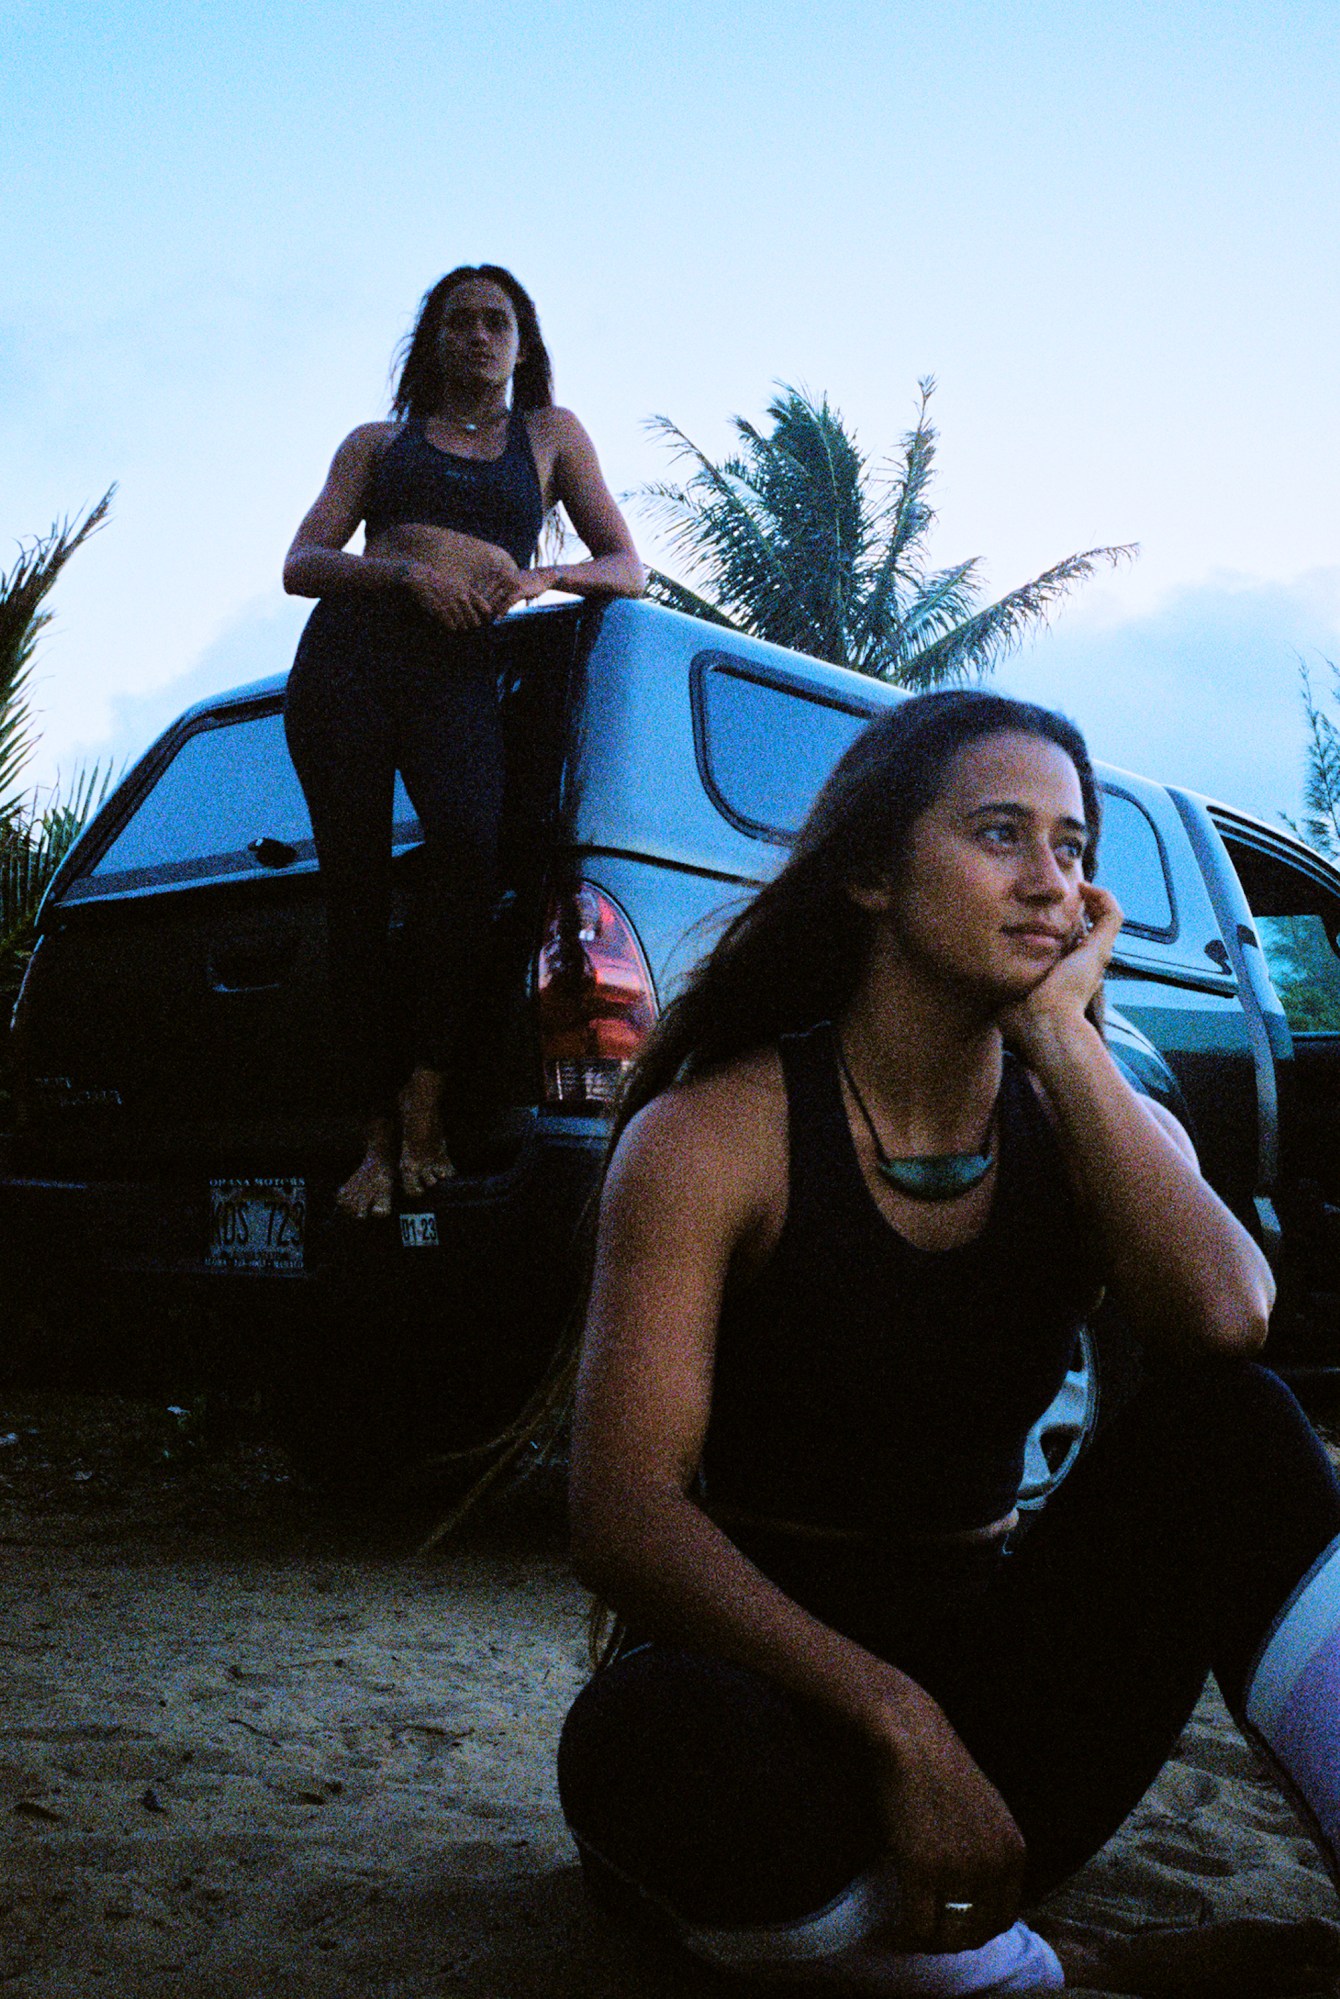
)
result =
(595, 998)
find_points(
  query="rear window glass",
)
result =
(765, 747)
(1298, 923)
(228, 786)
(1304, 970)
(1132, 865)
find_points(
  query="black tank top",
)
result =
(495, 499)
(867, 1385)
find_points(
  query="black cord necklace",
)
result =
(473, 427)
(929, 1176)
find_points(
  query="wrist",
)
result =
(892, 1714)
(1054, 1037)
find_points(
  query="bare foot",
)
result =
(424, 1159)
(369, 1192)
(1248, 1958)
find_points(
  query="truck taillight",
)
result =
(594, 996)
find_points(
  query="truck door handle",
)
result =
(250, 965)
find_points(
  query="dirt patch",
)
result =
(251, 1750)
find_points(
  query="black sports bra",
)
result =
(495, 499)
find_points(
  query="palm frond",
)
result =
(663, 589)
(712, 520)
(33, 843)
(22, 617)
(811, 481)
(1321, 785)
(981, 641)
(943, 601)
(795, 540)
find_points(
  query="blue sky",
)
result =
(1108, 230)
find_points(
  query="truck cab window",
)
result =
(765, 748)
(228, 790)
(1131, 864)
(1298, 923)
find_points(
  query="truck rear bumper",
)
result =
(62, 1231)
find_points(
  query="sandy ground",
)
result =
(252, 1752)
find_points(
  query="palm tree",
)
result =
(1320, 825)
(35, 834)
(799, 540)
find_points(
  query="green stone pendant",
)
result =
(936, 1176)
(932, 1176)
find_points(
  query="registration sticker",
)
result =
(256, 1224)
(418, 1231)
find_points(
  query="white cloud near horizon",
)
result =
(1201, 691)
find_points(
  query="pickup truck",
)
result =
(180, 1124)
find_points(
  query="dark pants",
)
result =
(379, 686)
(1069, 1670)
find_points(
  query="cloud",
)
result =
(1202, 691)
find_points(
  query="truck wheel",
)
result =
(1060, 1433)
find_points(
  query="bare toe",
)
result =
(419, 1172)
(368, 1193)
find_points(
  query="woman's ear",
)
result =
(875, 898)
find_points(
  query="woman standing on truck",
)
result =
(871, 1171)
(394, 671)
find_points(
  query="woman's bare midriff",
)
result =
(417, 541)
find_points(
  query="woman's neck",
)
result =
(927, 1061)
(472, 404)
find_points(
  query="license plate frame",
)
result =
(256, 1223)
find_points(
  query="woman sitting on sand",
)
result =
(394, 672)
(874, 1167)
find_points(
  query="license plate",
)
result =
(256, 1224)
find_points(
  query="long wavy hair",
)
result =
(420, 383)
(796, 952)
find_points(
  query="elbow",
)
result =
(1235, 1327)
(293, 574)
(1237, 1337)
(628, 575)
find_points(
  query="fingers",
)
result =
(1101, 908)
(943, 1915)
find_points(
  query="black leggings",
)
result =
(379, 686)
(1069, 1672)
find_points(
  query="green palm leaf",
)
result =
(663, 589)
(1321, 782)
(796, 540)
(982, 640)
(22, 617)
(33, 844)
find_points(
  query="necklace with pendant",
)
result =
(464, 423)
(928, 1176)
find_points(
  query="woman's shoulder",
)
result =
(366, 442)
(554, 427)
(722, 1133)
